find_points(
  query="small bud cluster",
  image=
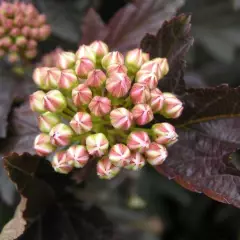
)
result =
(21, 28)
(95, 104)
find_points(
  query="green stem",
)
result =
(69, 112)
(149, 131)
(64, 115)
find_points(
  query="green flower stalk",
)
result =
(96, 104)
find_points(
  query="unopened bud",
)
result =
(100, 106)
(37, 101)
(165, 133)
(97, 144)
(81, 123)
(138, 141)
(31, 53)
(96, 78)
(148, 78)
(61, 164)
(119, 155)
(77, 155)
(172, 107)
(112, 58)
(14, 32)
(39, 76)
(61, 135)
(137, 161)
(83, 67)
(163, 65)
(156, 154)
(106, 170)
(6, 42)
(140, 93)
(146, 57)
(86, 52)
(116, 68)
(100, 49)
(121, 118)
(66, 60)
(47, 121)
(13, 57)
(142, 114)
(68, 80)
(42, 145)
(26, 31)
(81, 95)
(21, 41)
(157, 100)
(134, 60)
(54, 101)
(118, 84)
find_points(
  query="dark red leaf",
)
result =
(172, 41)
(47, 211)
(128, 26)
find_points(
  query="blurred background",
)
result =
(146, 205)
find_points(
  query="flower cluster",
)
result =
(21, 27)
(95, 104)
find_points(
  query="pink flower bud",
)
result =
(163, 65)
(146, 57)
(54, 101)
(97, 144)
(112, 58)
(34, 33)
(165, 133)
(100, 49)
(31, 53)
(21, 41)
(157, 100)
(83, 67)
(100, 106)
(14, 32)
(81, 95)
(2, 31)
(158, 66)
(13, 57)
(39, 76)
(138, 141)
(121, 118)
(6, 42)
(106, 170)
(142, 114)
(134, 60)
(148, 78)
(32, 44)
(41, 19)
(66, 60)
(96, 78)
(68, 80)
(140, 93)
(26, 31)
(137, 161)
(52, 78)
(119, 155)
(36, 101)
(118, 84)
(81, 123)
(78, 156)
(156, 154)
(61, 135)
(47, 121)
(8, 23)
(19, 21)
(116, 68)
(42, 145)
(172, 107)
(61, 164)
(86, 52)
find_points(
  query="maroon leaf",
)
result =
(7, 85)
(47, 211)
(128, 26)
(172, 41)
(201, 161)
